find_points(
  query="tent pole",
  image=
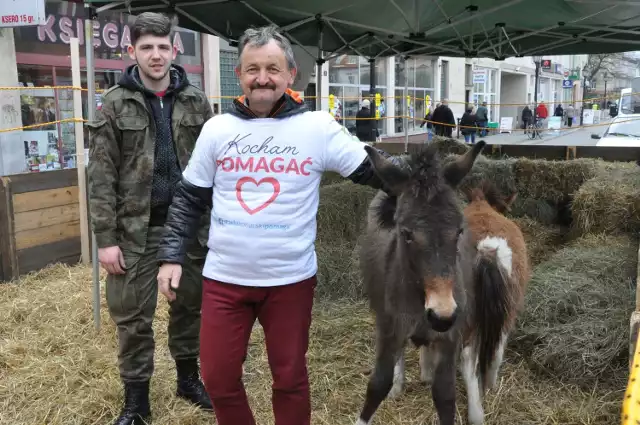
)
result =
(91, 108)
(406, 105)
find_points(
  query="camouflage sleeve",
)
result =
(104, 162)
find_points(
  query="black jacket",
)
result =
(166, 172)
(365, 127)
(190, 202)
(468, 120)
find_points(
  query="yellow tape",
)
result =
(412, 98)
(631, 403)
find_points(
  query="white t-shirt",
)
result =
(265, 174)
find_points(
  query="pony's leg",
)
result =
(492, 375)
(398, 376)
(390, 343)
(472, 382)
(443, 389)
(428, 360)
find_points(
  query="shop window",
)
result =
(38, 106)
(229, 84)
(104, 80)
(365, 72)
(53, 146)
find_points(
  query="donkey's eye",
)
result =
(460, 231)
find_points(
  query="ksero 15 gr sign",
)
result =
(21, 13)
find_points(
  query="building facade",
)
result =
(407, 87)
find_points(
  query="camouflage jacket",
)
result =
(121, 160)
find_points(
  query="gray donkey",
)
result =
(420, 266)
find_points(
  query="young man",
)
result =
(260, 168)
(140, 142)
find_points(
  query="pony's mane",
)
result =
(489, 192)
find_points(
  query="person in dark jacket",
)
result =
(365, 125)
(258, 167)
(468, 125)
(527, 118)
(482, 115)
(428, 121)
(443, 119)
(559, 112)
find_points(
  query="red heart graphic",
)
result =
(276, 190)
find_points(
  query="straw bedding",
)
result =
(565, 363)
(55, 369)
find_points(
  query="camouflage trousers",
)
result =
(132, 299)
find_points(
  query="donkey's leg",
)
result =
(443, 389)
(398, 376)
(390, 343)
(468, 368)
(492, 375)
(428, 361)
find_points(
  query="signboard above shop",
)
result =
(21, 13)
(111, 33)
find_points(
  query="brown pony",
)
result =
(439, 276)
(501, 273)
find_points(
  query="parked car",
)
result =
(624, 130)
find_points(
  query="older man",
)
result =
(259, 167)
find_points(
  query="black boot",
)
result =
(136, 410)
(190, 387)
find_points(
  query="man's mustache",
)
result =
(266, 86)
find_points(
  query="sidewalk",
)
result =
(518, 137)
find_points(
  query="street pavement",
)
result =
(567, 136)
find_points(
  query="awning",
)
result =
(374, 28)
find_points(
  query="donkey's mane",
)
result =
(425, 176)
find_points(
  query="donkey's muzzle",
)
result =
(439, 323)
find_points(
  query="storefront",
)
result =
(420, 80)
(43, 59)
(349, 80)
(485, 88)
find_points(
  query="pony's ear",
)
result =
(510, 200)
(391, 175)
(455, 171)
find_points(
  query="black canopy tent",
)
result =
(378, 28)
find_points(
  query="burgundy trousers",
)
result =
(228, 314)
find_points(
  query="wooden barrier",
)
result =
(39, 221)
(540, 151)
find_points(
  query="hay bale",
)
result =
(331, 177)
(542, 240)
(342, 212)
(540, 210)
(609, 202)
(339, 271)
(500, 172)
(446, 146)
(552, 180)
(574, 326)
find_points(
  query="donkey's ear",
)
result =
(391, 175)
(455, 171)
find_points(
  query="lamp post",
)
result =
(606, 79)
(584, 93)
(537, 60)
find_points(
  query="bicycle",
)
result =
(535, 129)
